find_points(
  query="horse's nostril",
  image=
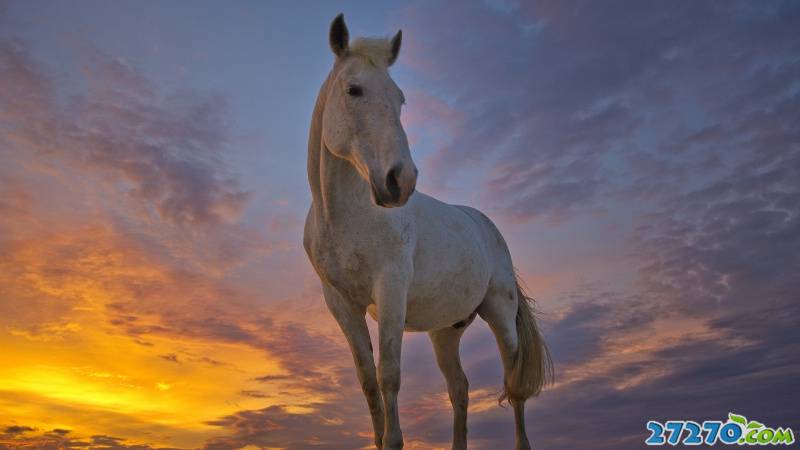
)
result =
(391, 182)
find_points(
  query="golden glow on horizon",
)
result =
(94, 371)
(71, 366)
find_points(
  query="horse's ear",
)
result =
(339, 36)
(396, 41)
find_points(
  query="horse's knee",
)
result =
(370, 389)
(459, 392)
(463, 382)
(373, 396)
(367, 378)
(390, 384)
(389, 377)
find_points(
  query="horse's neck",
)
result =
(336, 187)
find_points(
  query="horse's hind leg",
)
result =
(499, 310)
(445, 344)
(351, 319)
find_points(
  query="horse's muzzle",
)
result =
(395, 188)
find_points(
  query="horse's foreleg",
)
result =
(390, 299)
(445, 344)
(350, 318)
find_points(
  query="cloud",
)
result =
(58, 439)
(691, 129)
(718, 303)
(704, 331)
(164, 151)
(17, 429)
(121, 234)
(278, 427)
(568, 109)
(172, 357)
(122, 237)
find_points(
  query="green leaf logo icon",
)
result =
(737, 418)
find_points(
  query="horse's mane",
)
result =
(375, 51)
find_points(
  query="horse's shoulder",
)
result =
(492, 233)
(479, 217)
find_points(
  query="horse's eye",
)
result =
(354, 91)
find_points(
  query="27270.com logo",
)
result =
(737, 430)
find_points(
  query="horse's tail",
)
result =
(533, 367)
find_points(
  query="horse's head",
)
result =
(361, 121)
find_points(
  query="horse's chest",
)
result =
(343, 262)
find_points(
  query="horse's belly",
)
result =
(443, 298)
(435, 315)
(450, 282)
(441, 302)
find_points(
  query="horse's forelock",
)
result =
(375, 51)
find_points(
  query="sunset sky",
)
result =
(642, 159)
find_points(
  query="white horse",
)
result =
(414, 263)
